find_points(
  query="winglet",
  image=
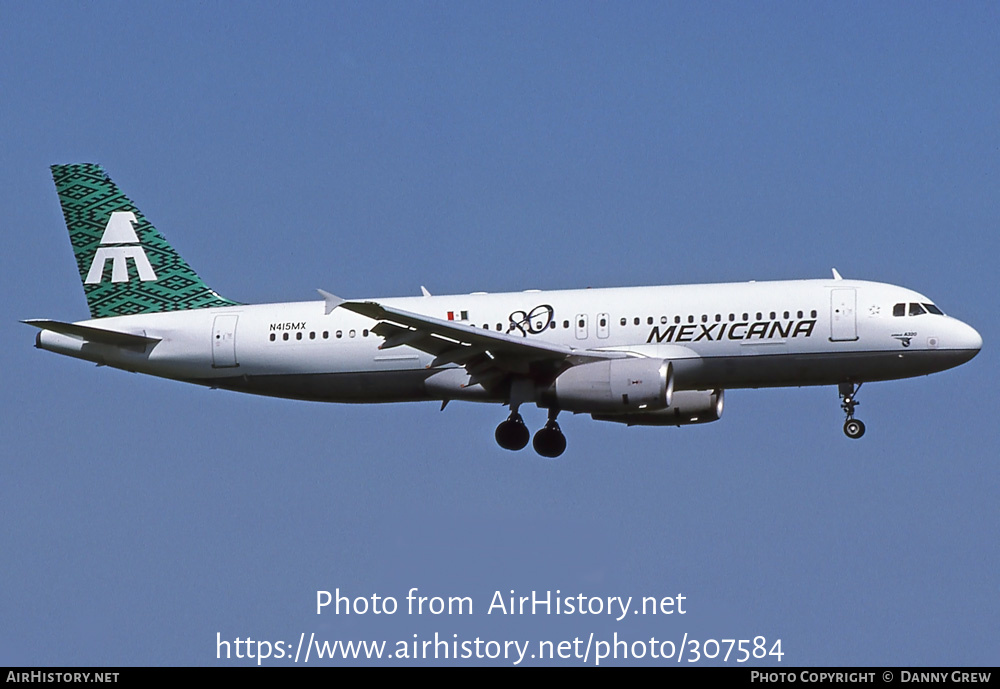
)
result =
(332, 301)
(836, 275)
(423, 290)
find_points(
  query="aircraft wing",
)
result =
(485, 354)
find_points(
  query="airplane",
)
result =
(641, 356)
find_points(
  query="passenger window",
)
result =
(624, 321)
(813, 312)
(663, 320)
(800, 314)
(732, 317)
(649, 321)
(899, 310)
(326, 334)
(364, 333)
(312, 336)
(340, 334)
(636, 320)
(704, 318)
(786, 314)
(746, 316)
(284, 336)
(604, 322)
(690, 319)
(352, 333)
(581, 323)
(718, 317)
(272, 337)
(500, 326)
(772, 315)
(760, 316)
(298, 335)
(677, 319)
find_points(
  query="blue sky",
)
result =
(370, 149)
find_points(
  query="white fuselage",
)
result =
(756, 334)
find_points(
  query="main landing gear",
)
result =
(853, 428)
(512, 434)
(549, 441)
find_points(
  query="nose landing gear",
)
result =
(853, 428)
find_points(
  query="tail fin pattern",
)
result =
(126, 266)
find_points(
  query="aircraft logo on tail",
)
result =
(120, 243)
(105, 225)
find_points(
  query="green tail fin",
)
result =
(126, 266)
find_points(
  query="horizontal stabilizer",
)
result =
(85, 332)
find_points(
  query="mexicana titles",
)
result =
(740, 330)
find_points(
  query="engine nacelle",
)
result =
(613, 386)
(686, 407)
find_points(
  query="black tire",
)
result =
(854, 428)
(512, 434)
(549, 442)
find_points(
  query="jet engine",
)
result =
(686, 407)
(613, 386)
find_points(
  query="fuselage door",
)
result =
(843, 314)
(603, 325)
(224, 341)
(581, 326)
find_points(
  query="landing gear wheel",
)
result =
(512, 434)
(854, 428)
(549, 441)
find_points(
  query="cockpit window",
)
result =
(915, 310)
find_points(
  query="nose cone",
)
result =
(971, 338)
(965, 338)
